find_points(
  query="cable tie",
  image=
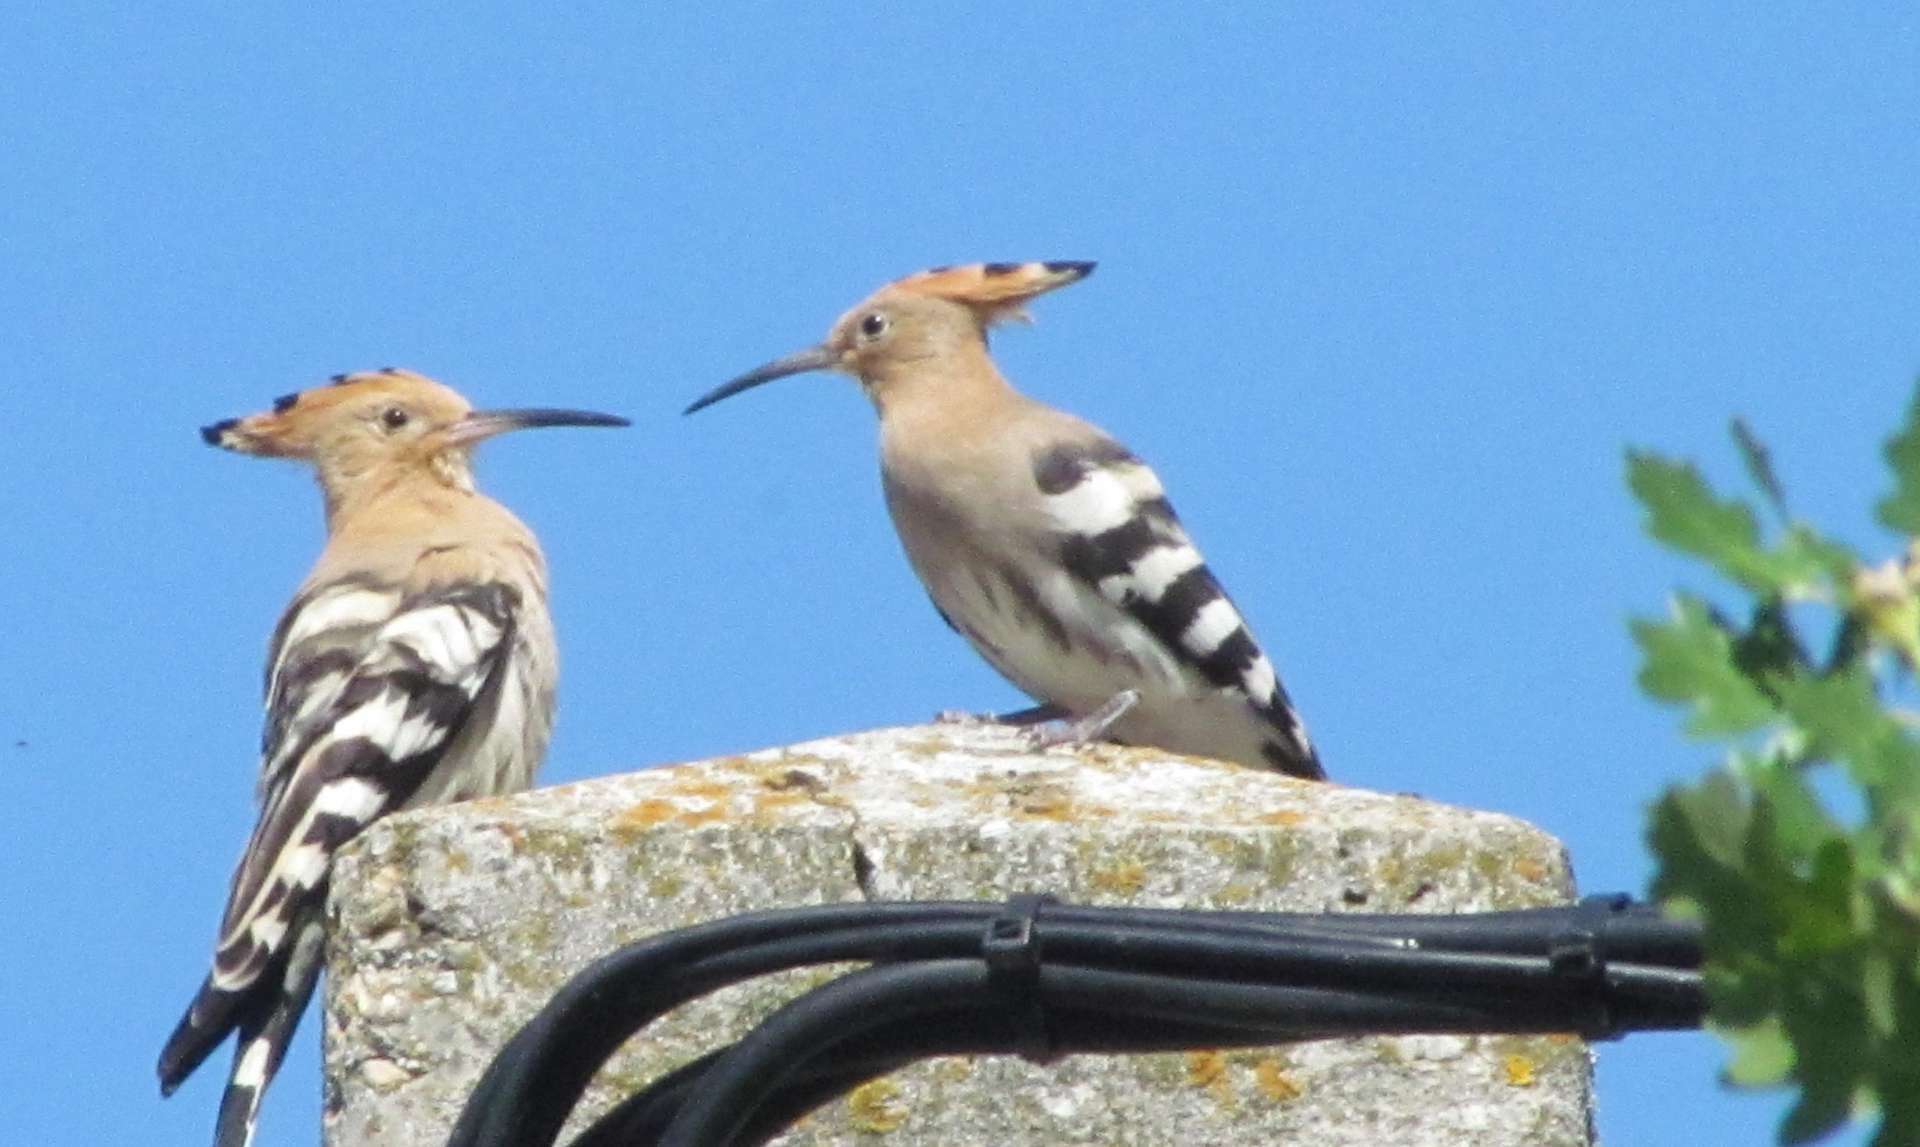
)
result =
(1011, 949)
(1577, 952)
(1575, 955)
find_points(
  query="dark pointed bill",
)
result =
(487, 423)
(813, 358)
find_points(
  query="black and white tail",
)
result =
(369, 687)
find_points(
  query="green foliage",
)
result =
(1801, 852)
(1900, 510)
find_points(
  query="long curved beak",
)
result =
(813, 358)
(483, 424)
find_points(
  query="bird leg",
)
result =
(1037, 715)
(1091, 727)
(1019, 717)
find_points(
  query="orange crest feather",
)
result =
(998, 289)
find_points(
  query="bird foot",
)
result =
(961, 717)
(1091, 727)
(1019, 718)
(1038, 715)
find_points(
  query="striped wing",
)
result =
(1120, 537)
(358, 715)
(368, 688)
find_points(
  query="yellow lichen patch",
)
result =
(779, 799)
(658, 810)
(953, 1069)
(1225, 847)
(1043, 802)
(1519, 1071)
(1529, 868)
(700, 785)
(1208, 1069)
(1123, 879)
(1285, 817)
(876, 1106)
(1274, 1081)
(1205, 1068)
(646, 814)
(1388, 1051)
(981, 793)
(1233, 894)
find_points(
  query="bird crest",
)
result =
(897, 329)
(998, 291)
(296, 425)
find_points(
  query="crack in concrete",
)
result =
(863, 869)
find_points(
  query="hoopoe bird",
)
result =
(1045, 543)
(415, 666)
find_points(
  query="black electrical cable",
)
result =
(526, 1094)
(850, 1006)
(1602, 967)
(588, 1025)
(644, 1115)
(989, 1030)
(815, 954)
(813, 1026)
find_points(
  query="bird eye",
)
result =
(873, 324)
(393, 418)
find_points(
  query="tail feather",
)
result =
(265, 1033)
(205, 1026)
(263, 1015)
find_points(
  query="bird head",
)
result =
(913, 322)
(376, 421)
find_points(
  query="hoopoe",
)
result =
(415, 666)
(1044, 542)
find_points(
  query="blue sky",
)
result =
(1382, 297)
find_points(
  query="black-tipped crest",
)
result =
(993, 288)
(386, 413)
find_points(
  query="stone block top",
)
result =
(451, 926)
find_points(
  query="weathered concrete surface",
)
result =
(452, 926)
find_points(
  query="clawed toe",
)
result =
(1092, 727)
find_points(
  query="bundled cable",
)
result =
(1041, 979)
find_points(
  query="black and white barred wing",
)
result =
(356, 728)
(1121, 541)
(368, 689)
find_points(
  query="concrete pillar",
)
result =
(452, 926)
